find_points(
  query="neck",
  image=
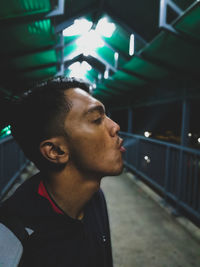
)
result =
(71, 190)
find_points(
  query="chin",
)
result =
(116, 171)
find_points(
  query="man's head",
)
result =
(59, 123)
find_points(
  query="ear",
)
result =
(55, 150)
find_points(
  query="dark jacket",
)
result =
(57, 239)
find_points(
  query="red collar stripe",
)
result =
(43, 192)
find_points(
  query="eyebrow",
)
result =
(99, 108)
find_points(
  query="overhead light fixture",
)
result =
(132, 45)
(116, 55)
(105, 28)
(79, 27)
(90, 39)
(106, 74)
(89, 42)
(79, 70)
(99, 76)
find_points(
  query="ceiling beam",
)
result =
(98, 13)
(122, 24)
(91, 60)
(117, 86)
(58, 11)
(29, 69)
(16, 54)
(109, 66)
(140, 76)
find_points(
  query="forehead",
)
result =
(81, 101)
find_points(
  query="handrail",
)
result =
(172, 170)
(187, 149)
(5, 139)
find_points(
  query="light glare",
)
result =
(79, 70)
(89, 42)
(132, 45)
(105, 28)
(79, 27)
(90, 39)
(116, 56)
(106, 73)
(148, 160)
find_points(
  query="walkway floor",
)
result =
(143, 234)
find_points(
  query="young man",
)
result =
(66, 133)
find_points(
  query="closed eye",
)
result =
(98, 121)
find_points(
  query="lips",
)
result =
(121, 148)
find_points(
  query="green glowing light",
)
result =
(5, 131)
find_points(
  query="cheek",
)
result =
(94, 147)
(90, 149)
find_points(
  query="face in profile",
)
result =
(94, 144)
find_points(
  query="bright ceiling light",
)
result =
(132, 45)
(105, 28)
(99, 76)
(79, 27)
(89, 42)
(116, 55)
(86, 66)
(106, 74)
(74, 65)
(90, 39)
(79, 70)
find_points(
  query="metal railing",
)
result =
(172, 170)
(12, 163)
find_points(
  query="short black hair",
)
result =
(39, 114)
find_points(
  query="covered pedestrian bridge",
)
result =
(141, 59)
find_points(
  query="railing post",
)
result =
(184, 142)
(178, 197)
(137, 150)
(130, 120)
(166, 184)
(195, 187)
(185, 122)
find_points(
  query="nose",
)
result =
(113, 127)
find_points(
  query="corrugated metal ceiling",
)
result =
(33, 47)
